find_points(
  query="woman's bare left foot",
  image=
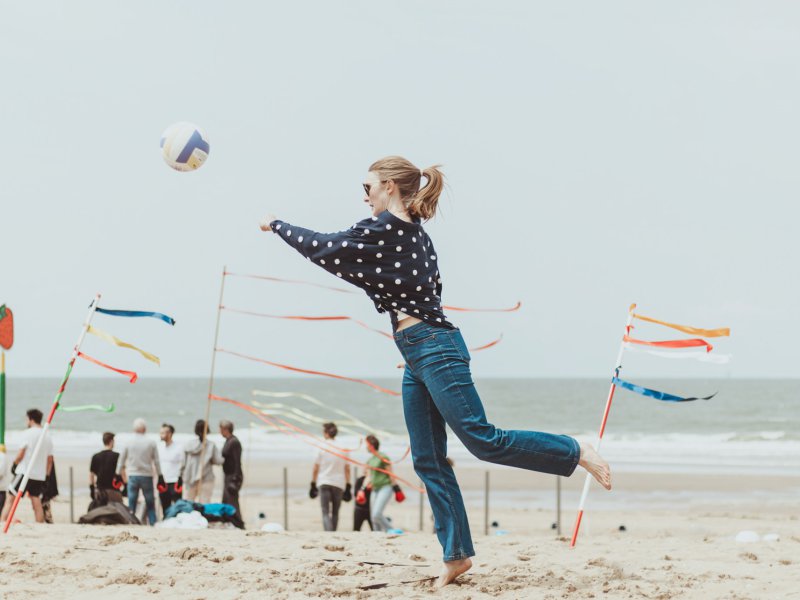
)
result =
(453, 569)
(596, 465)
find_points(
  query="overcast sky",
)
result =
(597, 154)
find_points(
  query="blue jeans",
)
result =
(380, 498)
(438, 390)
(144, 483)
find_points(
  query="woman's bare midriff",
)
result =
(406, 323)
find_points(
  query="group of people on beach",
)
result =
(175, 471)
(330, 481)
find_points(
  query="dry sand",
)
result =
(685, 552)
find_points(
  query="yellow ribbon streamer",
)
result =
(118, 342)
(722, 331)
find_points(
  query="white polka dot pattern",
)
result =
(368, 265)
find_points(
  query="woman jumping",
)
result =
(392, 259)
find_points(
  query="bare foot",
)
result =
(453, 569)
(596, 465)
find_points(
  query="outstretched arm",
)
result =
(342, 253)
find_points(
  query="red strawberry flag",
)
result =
(6, 327)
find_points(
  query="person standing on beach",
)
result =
(37, 471)
(381, 485)
(138, 461)
(232, 468)
(362, 505)
(170, 455)
(197, 471)
(391, 258)
(332, 473)
(102, 470)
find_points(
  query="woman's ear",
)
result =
(390, 187)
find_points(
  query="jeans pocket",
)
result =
(418, 336)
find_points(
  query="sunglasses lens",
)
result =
(366, 188)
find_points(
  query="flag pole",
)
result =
(213, 362)
(46, 427)
(588, 481)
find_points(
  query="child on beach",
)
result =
(391, 258)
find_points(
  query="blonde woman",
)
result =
(390, 257)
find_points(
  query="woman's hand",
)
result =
(264, 223)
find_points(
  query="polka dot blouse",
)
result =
(392, 260)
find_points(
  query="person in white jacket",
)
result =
(197, 472)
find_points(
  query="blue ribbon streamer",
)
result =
(137, 313)
(655, 393)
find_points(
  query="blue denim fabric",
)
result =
(438, 390)
(144, 483)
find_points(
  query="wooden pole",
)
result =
(421, 509)
(71, 497)
(285, 498)
(213, 362)
(486, 505)
(558, 505)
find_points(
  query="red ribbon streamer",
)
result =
(257, 412)
(311, 372)
(672, 343)
(133, 376)
(308, 318)
(456, 308)
(374, 453)
(346, 291)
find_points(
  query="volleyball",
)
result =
(184, 146)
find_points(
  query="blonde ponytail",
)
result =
(421, 201)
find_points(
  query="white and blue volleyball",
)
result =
(184, 146)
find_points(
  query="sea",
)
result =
(751, 426)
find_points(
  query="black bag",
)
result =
(113, 513)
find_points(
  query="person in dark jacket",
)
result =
(232, 468)
(361, 507)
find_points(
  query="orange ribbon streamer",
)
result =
(456, 308)
(374, 453)
(311, 372)
(721, 332)
(268, 421)
(308, 318)
(133, 376)
(672, 343)
(346, 291)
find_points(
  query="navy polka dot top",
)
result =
(392, 260)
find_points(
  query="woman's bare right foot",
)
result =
(453, 569)
(596, 465)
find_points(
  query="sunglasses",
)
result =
(368, 186)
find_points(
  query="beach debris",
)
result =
(272, 528)
(771, 537)
(191, 520)
(623, 528)
(747, 537)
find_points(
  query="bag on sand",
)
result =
(113, 513)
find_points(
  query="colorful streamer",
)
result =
(308, 318)
(717, 359)
(655, 393)
(268, 421)
(352, 419)
(459, 309)
(118, 342)
(108, 409)
(349, 291)
(311, 372)
(133, 376)
(720, 332)
(137, 313)
(692, 343)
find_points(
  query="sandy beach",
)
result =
(686, 551)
